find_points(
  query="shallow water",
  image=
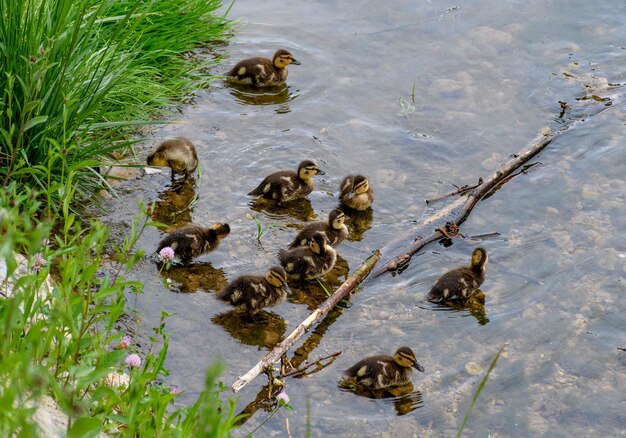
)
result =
(487, 77)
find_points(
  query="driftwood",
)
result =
(454, 214)
(275, 354)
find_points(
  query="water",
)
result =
(487, 76)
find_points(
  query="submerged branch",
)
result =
(275, 354)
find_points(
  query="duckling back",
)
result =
(303, 264)
(179, 154)
(356, 192)
(262, 72)
(461, 283)
(378, 372)
(191, 241)
(252, 293)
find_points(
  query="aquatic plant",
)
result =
(261, 229)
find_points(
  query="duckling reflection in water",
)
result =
(266, 330)
(178, 154)
(279, 95)
(405, 398)
(287, 185)
(299, 209)
(196, 276)
(173, 205)
(262, 72)
(304, 263)
(191, 241)
(358, 222)
(334, 230)
(356, 192)
(461, 283)
(254, 292)
(378, 372)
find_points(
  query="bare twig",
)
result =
(319, 365)
(274, 355)
(458, 191)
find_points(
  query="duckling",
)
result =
(356, 192)
(179, 154)
(378, 372)
(287, 185)
(191, 241)
(304, 263)
(254, 292)
(333, 230)
(461, 283)
(262, 72)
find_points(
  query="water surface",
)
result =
(487, 77)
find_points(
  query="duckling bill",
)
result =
(255, 292)
(191, 241)
(356, 192)
(178, 154)
(304, 263)
(378, 372)
(287, 185)
(334, 230)
(262, 72)
(461, 283)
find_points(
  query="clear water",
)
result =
(487, 76)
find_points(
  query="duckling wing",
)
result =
(304, 236)
(253, 71)
(370, 371)
(276, 186)
(454, 285)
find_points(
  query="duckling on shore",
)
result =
(378, 372)
(356, 192)
(254, 292)
(304, 263)
(191, 241)
(287, 185)
(262, 72)
(178, 154)
(461, 283)
(334, 230)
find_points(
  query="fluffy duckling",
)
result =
(287, 185)
(356, 192)
(378, 372)
(179, 154)
(262, 72)
(191, 241)
(254, 292)
(461, 283)
(304, 263)
(334, 230)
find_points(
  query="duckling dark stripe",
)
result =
(408, 357)
(275, 276)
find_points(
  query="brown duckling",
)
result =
(179, 154)
(461, 283)
(379, 372)
(262, 72)
(356, 192)
(304, 263)
(287, 185)
(191, 241)
(334, 230)
(254, 292)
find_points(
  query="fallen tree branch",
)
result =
(319, 365)
(458, 191)
(463, 206)
(275, 354)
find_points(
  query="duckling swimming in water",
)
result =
(191, 241)
(461, 283)
(334, 230)
(262, 72)
(304, 263)
(379, 372)
(287, 185)
(179, 154)
(356, 192)
(254, 292)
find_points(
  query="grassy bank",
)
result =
(76, 77)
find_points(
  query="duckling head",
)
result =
(276, 276)
(157, 159)
(318, 244)
(282, 58)
(479, 259)
(360, 184)
(406, 358)
(221, 230)
(308, 169)
(336, 219)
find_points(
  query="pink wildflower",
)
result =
(124, 343)
(282, 398)
(176, 389)
(133, 360)
(39, 262)
(167, 254)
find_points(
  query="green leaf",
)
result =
(85, 427)
(34, 122)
